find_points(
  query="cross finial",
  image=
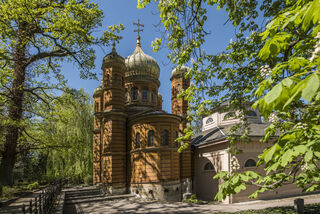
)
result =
(138, 25)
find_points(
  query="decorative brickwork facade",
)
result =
(134, 140)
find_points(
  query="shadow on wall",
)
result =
(205, 186)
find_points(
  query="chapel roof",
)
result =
(179, 71)
(141, 64)
(112, 57)
(222, 132)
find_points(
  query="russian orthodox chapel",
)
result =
(134, 148)
(134, 139)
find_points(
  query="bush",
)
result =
(8, 192)
(75, 179)
(0, 191)
(33, 186)
(88, 180)
(193, 199)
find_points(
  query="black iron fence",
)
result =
(44, 202)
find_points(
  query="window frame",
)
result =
(250, 112)
(138, 142)
(204, 168)
(165, 137)
(209, 122)
(250, 166)
(135, 94)
(144, 94)
(150, 138)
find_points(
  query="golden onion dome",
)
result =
(141, 64)
(179, 71)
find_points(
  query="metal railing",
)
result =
(44, 202)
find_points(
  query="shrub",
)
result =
(8, 192)
(75, 179)
(33, 186)
(193, 199)
(88, 180)
(0, 190)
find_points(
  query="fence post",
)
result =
(299, 205)
(30, 207)
(23, 209)
(36, 205)
(40, 211)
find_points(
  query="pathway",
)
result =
(16, 205)
(134, 205)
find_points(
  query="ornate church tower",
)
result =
(179, 83)
(180, 107)
(109, 128)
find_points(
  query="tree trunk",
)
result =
(15, 108)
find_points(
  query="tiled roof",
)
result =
(222, 132)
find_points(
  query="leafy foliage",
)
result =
(272, 65)
(193, 199)
(67, 136)
(35, 38)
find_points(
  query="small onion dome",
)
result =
(141, 64)
(98, 91)
(113, 57)
(179, 71)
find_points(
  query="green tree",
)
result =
(274, 65)
(67, 136)
(36, 36)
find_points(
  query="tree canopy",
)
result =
(273, 64)
(35, 38)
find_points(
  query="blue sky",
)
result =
(126, 12)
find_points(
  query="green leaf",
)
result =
(270, 152)
(311, 88)
(300, 149)
(308, 157)
(274, 94)
(311, 16)
(286, 157)
(239, 188)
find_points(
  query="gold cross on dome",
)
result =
(138, 25)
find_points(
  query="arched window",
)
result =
(96, 107)
(165, 138)
(230, 115)
(208, 166)
(108, 79)
(250, 163)
(209, 120)
(151, 138)
(144, 94)
(134, 94)
(252, 114)
(138, 140)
